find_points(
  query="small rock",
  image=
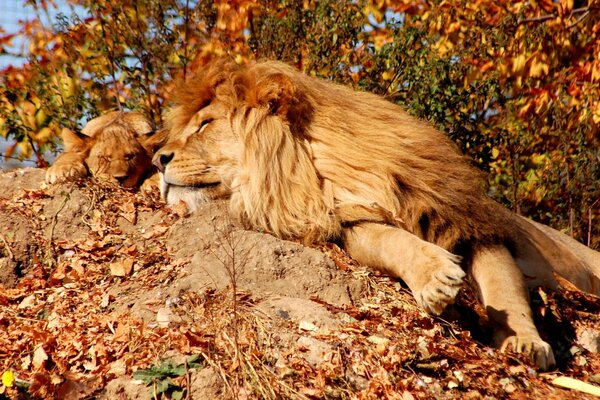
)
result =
(589, 339)
(313, 350)
(164, 316)
(307, 326)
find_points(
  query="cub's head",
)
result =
(117, 144)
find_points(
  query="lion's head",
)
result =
(118, 145)
(300, 157)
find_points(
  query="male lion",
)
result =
(117, 144)
(305, 158)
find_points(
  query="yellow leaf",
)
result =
(537, 159)
(25, 150)
(40, 117)
(596, 71)
(542, 102)
(44, 135)
(519, 63)
(538, 69)
(387, 75)
(3, 127)
(8, 378)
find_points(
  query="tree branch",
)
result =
(542, 18)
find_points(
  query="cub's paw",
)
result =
(441, 277)
(62, 172)
(151, 185)
(536, 349)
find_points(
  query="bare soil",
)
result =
(99, 284)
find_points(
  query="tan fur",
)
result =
(305, 158)
(118, 145)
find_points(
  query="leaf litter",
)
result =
(104, 305)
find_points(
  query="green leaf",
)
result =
(163, 385)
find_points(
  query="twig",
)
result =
(16, 315)
(92, 204)
(220, 371)
(546, 17)
(188, 381)
(111, 61)
(142, 54)
(579, 19)
(67, 197)
(11, 255)
(186, 20)
(590, 218)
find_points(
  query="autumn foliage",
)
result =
(514, 83)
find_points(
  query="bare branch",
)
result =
(542, 18)
(581, 18)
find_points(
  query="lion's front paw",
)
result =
(62, 172)
(438, 286)
(539, 351)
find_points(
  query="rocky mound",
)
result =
(105, 293)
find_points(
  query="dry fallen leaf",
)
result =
(39, 357)
(164, 316)
(105, 300)
(155, 232)
(181, 209)
(27, 302)
(576, 384)
(121, 267)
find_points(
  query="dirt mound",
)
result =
(107, 293)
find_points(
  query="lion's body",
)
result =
(373, 152)
(305, 158)
(116, 145)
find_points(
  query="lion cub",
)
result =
(117, 145)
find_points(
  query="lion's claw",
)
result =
(446, 278)
(538, 351)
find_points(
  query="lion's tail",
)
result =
(547, 257)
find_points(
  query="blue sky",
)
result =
(14, 11)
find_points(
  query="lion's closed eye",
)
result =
(204, 124)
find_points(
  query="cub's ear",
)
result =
(95, 125)
(72, 141)
(138, 123)
(275, 91)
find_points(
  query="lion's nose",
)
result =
(161, 160)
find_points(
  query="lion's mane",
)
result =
(317, 156)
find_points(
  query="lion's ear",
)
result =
(275, 91)
(72, 141)
(153, 141)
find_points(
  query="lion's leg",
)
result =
(542, 252)
(432, 273)
(505, 297)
